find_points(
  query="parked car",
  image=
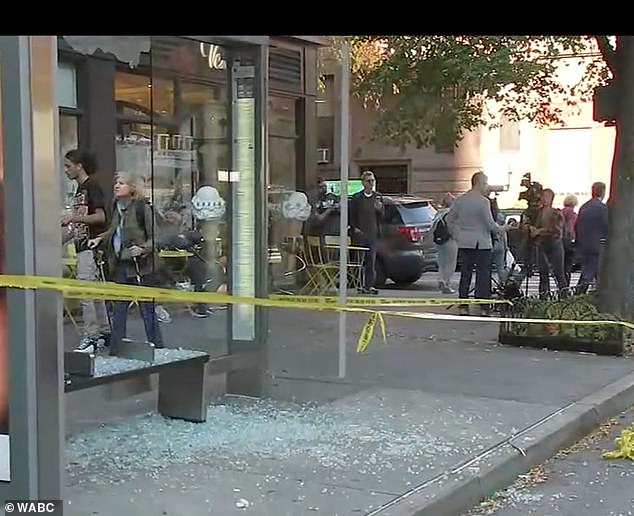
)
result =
(407, 247)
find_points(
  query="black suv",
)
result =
(407, 248)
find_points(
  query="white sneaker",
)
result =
(87, 344)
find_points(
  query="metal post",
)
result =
(31, 178)
(343, 220)
(248, 265)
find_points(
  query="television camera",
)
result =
(532, 195)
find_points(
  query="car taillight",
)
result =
(412, 234)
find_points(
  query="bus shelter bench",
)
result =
(181, 375)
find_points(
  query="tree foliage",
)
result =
(428, 88)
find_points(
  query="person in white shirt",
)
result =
(447, 251)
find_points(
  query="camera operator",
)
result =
(523, 244)
(548, 233)
(324, 209)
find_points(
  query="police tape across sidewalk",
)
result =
(78, 289)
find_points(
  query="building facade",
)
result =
(205, 125)
(565, 158)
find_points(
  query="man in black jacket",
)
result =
(366, 216)
(591, 229)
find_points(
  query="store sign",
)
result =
(213, 56)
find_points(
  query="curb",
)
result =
(459, 491)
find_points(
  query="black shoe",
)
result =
(104, 339)
(200, 311)
(93, 343)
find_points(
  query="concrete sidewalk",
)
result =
(576, 481)
(420, 425)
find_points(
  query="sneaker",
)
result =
(463, 310)
(88, 344)
(199, 311)
(446, 289)
(162, 314)
(371, 291)
(212, 309)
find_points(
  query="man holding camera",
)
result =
(547, 233)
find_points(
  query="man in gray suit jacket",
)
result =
(472, 224)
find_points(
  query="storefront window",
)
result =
(182, 130)
(68, 140)
(138, 95)
(284, 227)
(66, 90)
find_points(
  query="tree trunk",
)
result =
(617, 275)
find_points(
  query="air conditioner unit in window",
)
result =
(323, 155)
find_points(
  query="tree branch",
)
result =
(608, 53)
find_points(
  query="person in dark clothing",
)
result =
(549, 232)
(366, 216)
(324, 207)
(132, 257)
(591, 229)
(87, 220)
(570, 219)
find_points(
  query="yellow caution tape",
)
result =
(78, 289)
(389, 301)
(470, 318)
(368, 330)
(624, 446)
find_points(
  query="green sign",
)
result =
(354, 186)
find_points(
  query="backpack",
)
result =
(441, 231)
(139, 212)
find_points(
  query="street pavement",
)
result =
(435, 398)
(577, 481)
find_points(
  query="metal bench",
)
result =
(181, 375)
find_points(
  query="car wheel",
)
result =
(403, 282)
(381, 276)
